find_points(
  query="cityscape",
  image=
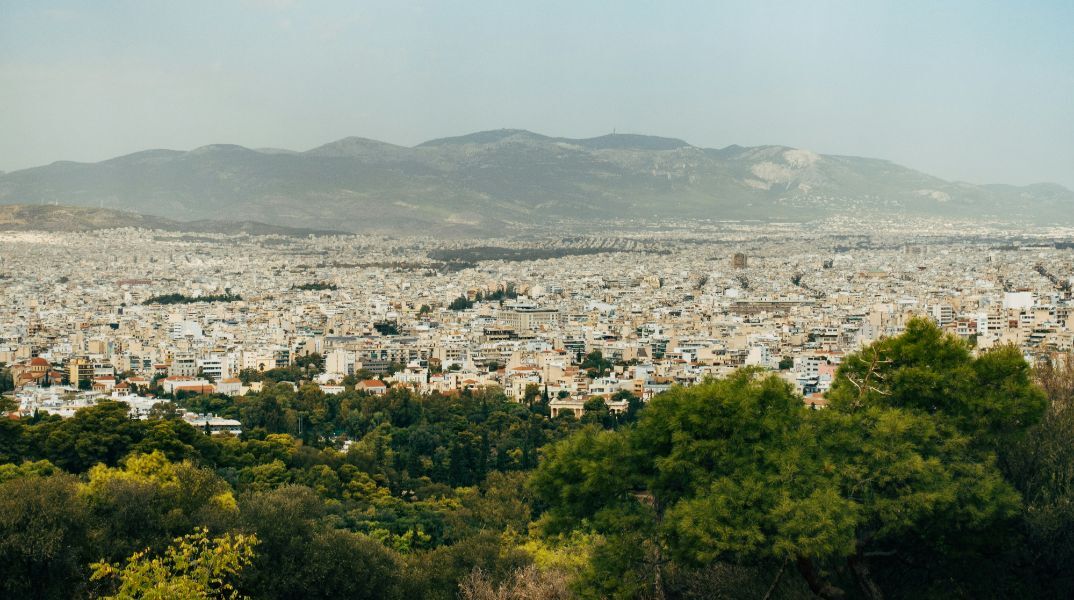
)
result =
(660, 304)
(485, 300)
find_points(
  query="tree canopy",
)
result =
(901, 467)
(936, 471)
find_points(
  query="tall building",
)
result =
(79, 370)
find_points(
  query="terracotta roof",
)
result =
(372, 383)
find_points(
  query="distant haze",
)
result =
(975, 91)
(487, 180)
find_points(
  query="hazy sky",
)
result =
(974, 90)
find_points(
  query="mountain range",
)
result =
(491, 178)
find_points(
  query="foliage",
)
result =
(312, 362)
(7, 383)
(301, 556)
(194, 566)
(44, 542)
(461, 303)
(526, 583)
(386, 327)
(177, 298)
(903, 466)
(934, 473)
(316, 286)
(596, 365)
(1041, 467)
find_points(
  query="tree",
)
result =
(100, 433)
(7, 383)
(302, 556)
(595, 364)
(596, 412)
(248, 376)
(333, 557)
(386, 328)
(312, 362)
(531, 394)
(1041, 467)
(915, 424)
(43, 537)
(151, 500)
(902, 467)
(436, 574)
(526, 583)
(990, 398)
(461, 303)
(634, 405)
(194, 566)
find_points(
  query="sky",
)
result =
(977, 91)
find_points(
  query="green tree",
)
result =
(44, 541)
(302, 556)
(436, 574)
(461, 303)
(150, 500)
(101, 433)
(531, 394)
(312, 362)
(595, 364)
(902, 467)
(195, 566)
(7, 383)
(596, 412)
(1041, 466)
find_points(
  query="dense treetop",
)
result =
(934, 472)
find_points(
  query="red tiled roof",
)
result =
(372, 383)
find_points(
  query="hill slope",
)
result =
(50, 217)
(485, 178)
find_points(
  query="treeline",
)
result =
(933, 473)
(423, 494)
(316, 286)
(481, 253)
(464, 302)
(184, 299)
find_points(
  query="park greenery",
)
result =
(464, 302)
(316, 286)
(933, 473)
(177, 298)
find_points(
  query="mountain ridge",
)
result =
(490, 178)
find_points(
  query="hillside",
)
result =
(50, 217)
(493, 177)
